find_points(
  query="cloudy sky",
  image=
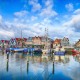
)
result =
(61, 17)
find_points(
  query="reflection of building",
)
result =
(56, 43)
(77, 58)
(38, 42)
(77, 45)
(65, 42)
(65, 59)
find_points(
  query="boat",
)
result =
(59, 51)
(75, 52)
(24, 50)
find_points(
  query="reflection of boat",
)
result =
(37, 52)
(59, 51)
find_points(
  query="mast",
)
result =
(21, 34)
(46, 37)
(21, 39)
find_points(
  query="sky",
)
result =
(60, 17)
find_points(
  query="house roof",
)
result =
(77, 43)
(58, 41)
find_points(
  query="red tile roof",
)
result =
(58, 41)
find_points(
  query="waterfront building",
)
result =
(77, 45)
(4, 43)
(29, 42)
(12, 42)
(38, 42)
(56, 43)
(65, 42)
(17, 42)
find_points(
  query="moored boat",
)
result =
(59, 51)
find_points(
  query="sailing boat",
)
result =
(46, 50)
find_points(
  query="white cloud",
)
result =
(21, 13)
(0, 19)
(6, 33)
(69, 7)
(73, 22)
(77, 11)
(48, 13)
(49, 3)
(35, 5)
(33, 18)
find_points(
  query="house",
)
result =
(56, 43)
(65, 42)
(77, 45)
(17, 42)
(29, 42)
(38, 42)
(12, 42)
(4, 43)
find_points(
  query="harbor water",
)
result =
(19, 66)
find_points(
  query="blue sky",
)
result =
(61, 17)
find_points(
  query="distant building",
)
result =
(17, 42)
(56, 43)
(4, 43)
(38, 42)
(12, 42)
(77, 45)
(65, 42)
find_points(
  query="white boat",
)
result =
(19, 49)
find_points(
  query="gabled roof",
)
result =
(57, 41)
(78, 42)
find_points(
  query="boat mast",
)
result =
(21, 38)
(46, 36)
(21, 34)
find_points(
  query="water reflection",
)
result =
(45, 69)
(27, 66)
(7, 65)
(53, 68)
(72, 69)
(58, 68)
(7, 62)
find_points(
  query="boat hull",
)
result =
(59, 53)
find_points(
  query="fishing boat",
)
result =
(59, 51)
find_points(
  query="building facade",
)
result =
(65, 42)
(77, 45)
(56, 43)
(17, 42)
(38, 42)
(4, 43)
